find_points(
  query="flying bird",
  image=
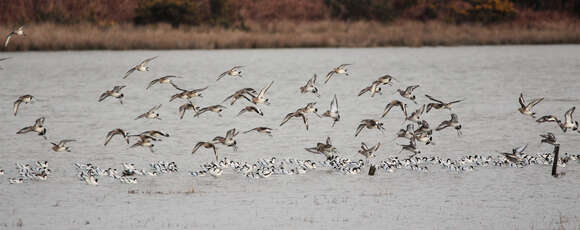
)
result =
(115, 92)
(115, 132)
(240, 94)
(453, 122)
(392, 104)
(162, 80)
(264, 130)
(310, 87)
(22, 99)
(408, 93)
(341, 69)
(207, 145)
(187, 106)
(142, 67)
(61, 146)
(295, 114)
(439, 104)
(233, 72)
(18, 32)
(526, 109)
(151, 114)
(333, 111)
(186, 94)
(250, 109)
(214, 108)
(38, 127)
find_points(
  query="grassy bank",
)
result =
(287, 34)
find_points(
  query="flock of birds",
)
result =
(416, 130)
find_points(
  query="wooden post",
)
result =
(556, 158)
(372, 170)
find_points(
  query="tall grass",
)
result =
(287, 34)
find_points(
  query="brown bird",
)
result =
(114, 132)
(368, 152)
(526, 109)
(453, 122)
(25, 98)
(37, 127)
(235, 71)
(392, 104)
(439, 104)
(162, 80)
(250, 109)
(214, 108)
(310, 87)
(327, 149)
(369, 124)
(61, 146)
(374, 88)
(142, 67)
(115, 92)
(341, 69)
(240, 94)
(408, 93)
(333, 111)
(265, 130)
(186, 94)
(187, 106)
(295, 114)
(228, 140)
(207, 145)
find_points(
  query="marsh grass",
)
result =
(288, 34)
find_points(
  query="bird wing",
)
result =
(522, 100)
(328, 76)
(155, 108)
(376, 148)
(359, 129)
(433, 99)
(265, 89)
(287, 118)
(2, 59)
(364, 90)
(535, 102)
(177, 87)
(148, 60)
(152, 83)
(343, 65)
(443, 125)
(200, 89)
(411, 88)
(199, 144)
(314, 79)
(7, 39)
(25, 130)
(304, 119)
(453, 102)
(62, 142)
(222, 75)
(141, 116)
(334, 105)
(568, 115)
(129, 72)
(104, 96)
(231, 133)
(364, 146)
(520, 149)
(16, 105)
(328, 142)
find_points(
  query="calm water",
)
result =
(488, 78)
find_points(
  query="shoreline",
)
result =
(287, 34)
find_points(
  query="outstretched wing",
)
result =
(177, 87)
(222, 75)
(264, 90)
(152, 83)
(148, 60)
(522, 100)
(364, 90)
(569, 113)
(433, 99)
(535, 102)
(16, 105)
(7, 39)
(334, 105)
(129, 72)
(328, 76)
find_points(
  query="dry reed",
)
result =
(287, 34)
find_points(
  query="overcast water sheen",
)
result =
(490, 80)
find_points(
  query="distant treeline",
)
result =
(235, 13)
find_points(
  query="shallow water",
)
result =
(488, 78)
